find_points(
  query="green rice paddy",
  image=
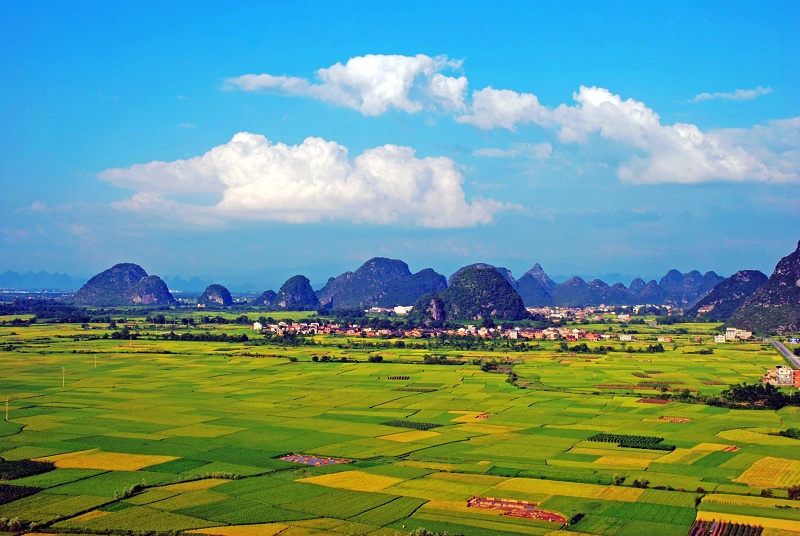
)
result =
(222, 417)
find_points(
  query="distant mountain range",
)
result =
(39, 281)
(748, 298)
(383, 282)
(539, 290)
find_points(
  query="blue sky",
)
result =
(254, 142)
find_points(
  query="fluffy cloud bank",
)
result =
(660, 153)
(311, 182)
(678, 153)
(372, 84)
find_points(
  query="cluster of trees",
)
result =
(46, 310)
(414, 425)
(633, 441)
(430, 359)
(328, 359)
(759, 395)
(584, 348)
(740, 396)
(288, 339)
(204, 337)
(9, 493)
(11, 469)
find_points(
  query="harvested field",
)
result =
(514, 508)
(674, 419)
(652, 401)
(312, 460)
(766, 522)
(771, 472)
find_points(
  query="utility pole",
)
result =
(6, 410)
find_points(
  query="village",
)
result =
(558, 315)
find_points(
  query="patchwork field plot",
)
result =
(192, 437)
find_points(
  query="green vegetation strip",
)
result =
(633, 441)
(401, 423)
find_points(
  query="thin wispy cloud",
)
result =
(738, 95)
(536, 151)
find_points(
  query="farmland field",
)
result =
(164, 436)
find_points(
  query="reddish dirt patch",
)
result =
(514, 508)
(674, 419)
(732, 448)
(483, 416)
(714, 383)
(311, 460)
(652, 401)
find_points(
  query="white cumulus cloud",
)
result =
(677, 153)
(372, 84)
(310, 182)
(493, 108)
(738, 95)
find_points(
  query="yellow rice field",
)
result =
(477, 426)
(756, 438)
(689, 456)
(571, 489)
(747, 500)
(410, 436)
(766, 522)
(88, 516)
(772, 472)
(267, 529)
(437, 466)
(353, 480)
(105, 461)
(466, 416)
(625, 461)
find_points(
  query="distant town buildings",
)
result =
(733, 334)
(782, 375)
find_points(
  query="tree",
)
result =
(794, 492)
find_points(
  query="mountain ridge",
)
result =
(775, 306)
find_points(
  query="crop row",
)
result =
(402, 423)
(10, 470)
(627, 438)
(12, 493)
(633, 441)
(721, 528)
